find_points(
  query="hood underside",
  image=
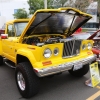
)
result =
(56, 21)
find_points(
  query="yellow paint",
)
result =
(13, 46)
(94, 72)
(94, 96)
(98, 87)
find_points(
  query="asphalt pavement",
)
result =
(59, 87)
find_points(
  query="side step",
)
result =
(10, 64)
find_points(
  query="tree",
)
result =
(82, 4)
(20, 14)
(38, 4)
(79, 4)
(59, 3)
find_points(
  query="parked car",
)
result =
(2, 31)
(95, 36)
(91, 32)
(38, 47)
(96, 46)
(81, 35)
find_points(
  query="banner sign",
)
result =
(94, 72)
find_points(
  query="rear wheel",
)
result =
(1, 60)
(80, 72)
(26, 79)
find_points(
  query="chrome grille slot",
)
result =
(71, 48)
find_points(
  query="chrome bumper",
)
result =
(64, 66)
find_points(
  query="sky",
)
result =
(7, 7)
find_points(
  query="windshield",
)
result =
(55, 23)
(19, 27)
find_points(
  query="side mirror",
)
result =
(4, 36)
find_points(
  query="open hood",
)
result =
(55, 21)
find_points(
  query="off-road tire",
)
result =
(30, 78)
(1, 60)
(81, 72)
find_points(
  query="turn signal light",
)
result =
(4, 36)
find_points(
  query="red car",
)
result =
(91, 36)
(2, 31)
(96, 46)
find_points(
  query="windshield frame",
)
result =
(17, 26)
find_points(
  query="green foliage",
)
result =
(59, 3)
(20, 14)
(79, 4)
(38, 4)
(35, 5)
(82, 5)
(50, 3)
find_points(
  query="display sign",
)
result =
(95, 77)
(94, 72)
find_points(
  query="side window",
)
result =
(10, 30)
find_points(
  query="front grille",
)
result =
(71, 48)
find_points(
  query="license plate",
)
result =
(77, 66)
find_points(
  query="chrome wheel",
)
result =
(21, 81)
(26, 80)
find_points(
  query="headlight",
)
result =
(83, 46)
(47, 53)
(89, 46)
(56, 51)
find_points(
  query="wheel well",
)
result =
(21, 58)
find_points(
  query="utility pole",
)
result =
(45, 4)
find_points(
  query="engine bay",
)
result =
(40, 40)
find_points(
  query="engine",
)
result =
(42, 40)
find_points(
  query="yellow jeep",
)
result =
(42, 46)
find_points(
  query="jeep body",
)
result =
(43, 47)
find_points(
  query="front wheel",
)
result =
(80, 72)
(26, 80)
